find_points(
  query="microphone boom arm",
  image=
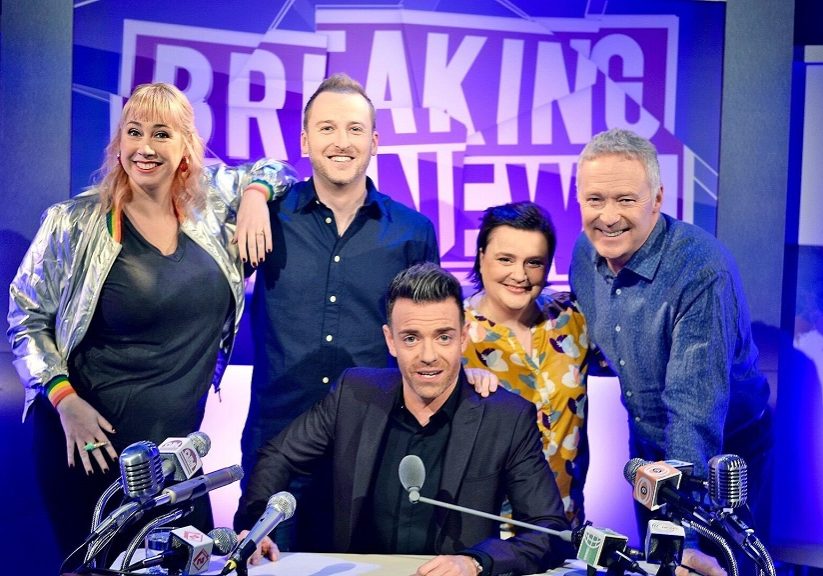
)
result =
(565, 535)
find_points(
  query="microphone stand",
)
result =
(565, 535)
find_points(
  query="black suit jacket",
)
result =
(493, 452)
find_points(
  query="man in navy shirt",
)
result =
(318, 305)
(664, 302)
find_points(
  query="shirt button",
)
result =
(618, 291)
(332, 298)
(629, 393)
(622, 362)
(328, 219)
(617, 328)
(637, 418)
(325, 379)
(337, 258)
(329, 337)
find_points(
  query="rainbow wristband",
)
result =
(57, 389)
(263, 187)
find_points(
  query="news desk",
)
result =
(306, 564)
(311, 564)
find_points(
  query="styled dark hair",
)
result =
(518, 215)
(423, 283)
(339, 84)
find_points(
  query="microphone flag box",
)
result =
(598, 546)
(664, 542)
(650, 480)
(182, 453)
(197, 546)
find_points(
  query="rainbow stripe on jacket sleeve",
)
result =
(57, 389)
(263, 187)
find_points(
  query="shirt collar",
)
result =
(646, 260)
(447, 410)
(374, 203)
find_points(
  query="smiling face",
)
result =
(428, 340)
(150, 153)
(618, 207)
(513, 267)
(340, 140)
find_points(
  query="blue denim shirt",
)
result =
(675, 328)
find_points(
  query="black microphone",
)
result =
(182, 456)
(280, 507)
(728, 481)
(189, 550)
(141, 470)
(195, 487)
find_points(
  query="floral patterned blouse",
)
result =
(553, 377)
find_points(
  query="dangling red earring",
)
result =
(184, 165)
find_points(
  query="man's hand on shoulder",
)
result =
(698, 562)
(449, 566)
(484, 382)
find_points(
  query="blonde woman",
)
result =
(124, 309)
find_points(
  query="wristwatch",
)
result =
(477, 565)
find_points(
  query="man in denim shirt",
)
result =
(665, 304)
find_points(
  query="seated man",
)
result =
(477, 451)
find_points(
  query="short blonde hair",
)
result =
(164, 103)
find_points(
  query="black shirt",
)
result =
(393, 525)
(147, 359)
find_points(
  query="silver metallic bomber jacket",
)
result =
(54, 294)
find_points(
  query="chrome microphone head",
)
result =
(728, 481)
(141, 470)
(412, 472)
(284, 503)
(225, 540)
(201, 442)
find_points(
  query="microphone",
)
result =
(650, 480)
(196, 487)
(224, 540)
(412, 474)
(656, 483)
(664, 545)
(141, 470)
(188, 550)
(603, 548)
(280, 507)
(728, 481)
(184, 454)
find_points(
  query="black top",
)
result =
(147, 359)
(392, 524)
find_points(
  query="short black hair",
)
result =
(519, 215)
(422, 283)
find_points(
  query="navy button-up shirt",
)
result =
(319, 299)
(674, 326)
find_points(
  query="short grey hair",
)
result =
(624, 143)
(424, 283)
